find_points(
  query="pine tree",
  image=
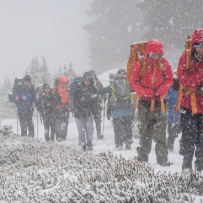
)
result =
(34, 71)
(115, 27)
(45, 75)
(39, 73)
(6, 109)
(171, 21)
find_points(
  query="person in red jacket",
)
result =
(152, 86)
(192, 123)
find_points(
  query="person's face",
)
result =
(63, 84)
(87, 82)
(199, 50)
(156, 56)
(27, 83)
(46, 90)
(39, 92)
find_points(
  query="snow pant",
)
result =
(97, 118)
(123, 130)
(26, 122)
(152, 125)
(61, 125)
(49, 124)
(192, 137)
(173, 131)
(85, 129)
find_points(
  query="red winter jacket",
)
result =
(162, 82)
(192, 78)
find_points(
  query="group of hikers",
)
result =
(160, 92)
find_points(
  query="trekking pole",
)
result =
(37, 124)
(17, 119)
(104, 114)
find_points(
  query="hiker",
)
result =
(97, 108)
(152, 85)
(120, 107)
(190, 75)
(46, 107)
(174, 125)
(25, 95)
(62, 107)
(84, 98)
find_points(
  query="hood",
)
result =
(197, 36)
(153, 46)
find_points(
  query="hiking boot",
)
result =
(100, 137)
(187, 170)
(142, 158)
(89, 145)
(119, 147)
(127, 147)
(84, 147)
(165, 163)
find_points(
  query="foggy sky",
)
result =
(52, 28)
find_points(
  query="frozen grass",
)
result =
(35, 171)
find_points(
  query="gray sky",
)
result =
(52, 28)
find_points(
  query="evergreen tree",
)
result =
(45, 75)
(171, 21)
(34, 71)
(6, 109)
(115, 28)
(39, 74)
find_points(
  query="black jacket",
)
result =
(84, 98)
(46, 105)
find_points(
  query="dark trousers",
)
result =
(152, 125)
(97, 118)
(49, 124)
(192, 137)
(123, 130)
(26, 122)
(173, 131)
(61, 125)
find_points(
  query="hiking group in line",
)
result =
(160, 92)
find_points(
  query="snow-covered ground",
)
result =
(108, 143)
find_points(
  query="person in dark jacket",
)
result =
(46, 107)
(97, 108)
(84, 98)
(25, 96)
(61, 108)
(174, 125)
(120, 107)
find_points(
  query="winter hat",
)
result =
(45, 86)
(27, 78)
(121, 72)
(88, 75)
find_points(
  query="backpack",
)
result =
(187, 91)
(120, 88)
(75, 82)
(17, 87)
(137, 53)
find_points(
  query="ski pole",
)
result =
(37, 124)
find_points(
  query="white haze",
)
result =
(52, 28)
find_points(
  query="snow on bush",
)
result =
(34, 171)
